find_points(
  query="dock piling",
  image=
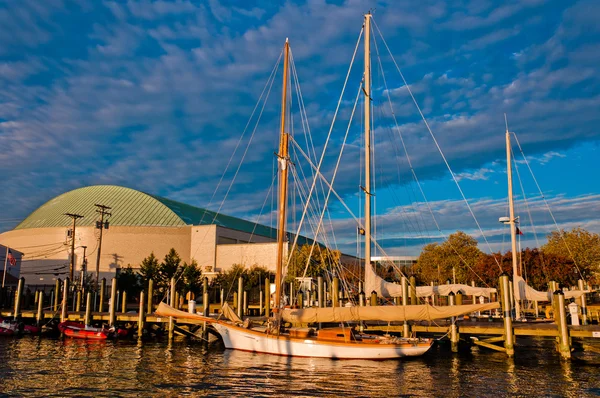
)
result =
(454, 336)
(320, 287)
(584, 317)
(373, 298)
(205, 299)
(17, 311)
(40, 309)
(56, 293)
(65, 297)
(171, 319)
(240, 297)
(113, 302)
(413, 291)
(564, 340)
(102, 290)
(142, 316)
(509, 344)
(150, 295)
(88, 309)
(268, 297)
(405, 325)
(124, 302)
(335, 291)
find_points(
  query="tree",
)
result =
(456, 256)
(578, 245)
(191, 277)
(321, 259)
(129, 281)
(149, 269)
(168, 269)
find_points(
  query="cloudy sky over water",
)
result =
(154, 95)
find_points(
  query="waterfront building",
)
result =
(138, 224)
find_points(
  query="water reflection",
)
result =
(43, 367)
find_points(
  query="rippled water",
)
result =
(33, 366)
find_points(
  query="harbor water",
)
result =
(34, 366)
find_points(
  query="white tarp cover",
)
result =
(382, 313)
(386, 289)
(526, 292)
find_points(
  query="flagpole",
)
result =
(5, 261)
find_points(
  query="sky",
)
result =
(155, 95)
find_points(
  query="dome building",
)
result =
(139, 223)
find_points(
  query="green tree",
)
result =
(149, 269)
(579, 246)
(191, 277)
(439, 262)
(170, 268)
(128, 280)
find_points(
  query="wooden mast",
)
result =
(512, 223)
(367, 89)
(283, 156)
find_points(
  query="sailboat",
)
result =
(344, 342)
(522, 291)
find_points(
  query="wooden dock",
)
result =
(486, 331)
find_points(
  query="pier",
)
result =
(495, 331)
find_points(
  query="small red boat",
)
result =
(79, 330)
(6, 331)
(17, 327)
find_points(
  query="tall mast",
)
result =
(367, 87)
(283, 180)
(512, 223)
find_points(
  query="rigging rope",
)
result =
(438, 146)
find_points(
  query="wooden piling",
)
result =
(320, 298)
(142, 315)
(40, 309)
(245, 305)
(65, 297)
(454, 336)
(335, 291)
(413, 291)
(564, 340)
(300, 299)
(405, 325)
(205, 298)
(78, 302)
(373, 298)
(459, 298)
(268, 297)
(17, 312)
(102, 290)
(56, 293)
(88, 309)
(171, 319)
(509, 344)
(124, 302)
(582, 302)
(150, 295)
(113, 302)
(240, 297)
(473, 298)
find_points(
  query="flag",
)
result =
(11, 259)
(519, 231)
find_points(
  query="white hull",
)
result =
(238, 338)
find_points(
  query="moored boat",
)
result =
(79, 330)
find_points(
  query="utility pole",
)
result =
(101, 225)
(72, 266)
(83, 268)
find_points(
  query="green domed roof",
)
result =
(130, 208)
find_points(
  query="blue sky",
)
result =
(154, 95)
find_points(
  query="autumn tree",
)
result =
(314, 260)
(454, 257)
(579, 246)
